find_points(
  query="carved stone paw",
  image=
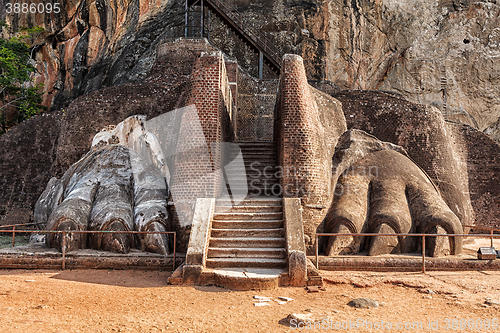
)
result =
(383, 192)
(112, 188)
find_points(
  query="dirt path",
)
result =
(131, 301)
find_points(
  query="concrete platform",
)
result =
(467, 260)
(37, 256)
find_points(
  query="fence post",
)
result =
(316, 248)
(423, 254)
(175, 241)
(13, 236)
(491, 232)
(64, 250)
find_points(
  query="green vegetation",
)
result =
(20, 98)
(6, 240)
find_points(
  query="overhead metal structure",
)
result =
(197, 19)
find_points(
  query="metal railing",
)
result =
(491, 230)
(65, 233)
(316, 247)
(238, 21)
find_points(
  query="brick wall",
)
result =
(198, 161)
(308, 124)
(483, 163)
(256, 100)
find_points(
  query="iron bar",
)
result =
(64, 250)
(423, 254)
(255, 36)
(317, 252)
(19, 225)
(261, 65)
(481, 228)
(14, 236)
(63, 232)
(416, 235)
(186, 18)
(491, 235)
(201, 18)
(175, 241)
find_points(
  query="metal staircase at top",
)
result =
(241, 26)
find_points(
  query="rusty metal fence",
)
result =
(13, 231)
(491, 235)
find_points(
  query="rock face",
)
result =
(440, 53)
(27, 155)
(443, 53)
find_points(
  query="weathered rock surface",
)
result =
(442, 53)
(27, 155)
(363, 303)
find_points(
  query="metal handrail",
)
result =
(20, 225)
(398, 235)
(64, 232)
(259, 38)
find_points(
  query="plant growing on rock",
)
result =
(20, 97)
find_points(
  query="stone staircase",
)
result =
(249, 235)
(254, 243)
(260, 158)
(257, 243)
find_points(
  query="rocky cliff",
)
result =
(444, 53)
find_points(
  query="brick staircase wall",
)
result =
(255, 119)
(308, 124)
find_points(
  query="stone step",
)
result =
(260, 175)
(260, 162)
(259, 170)
(256, 143)
(265, 190)
(233, 233)
(238, 242)
(248, 224)
(245, 148)
(260, 191)
(225, 201)
(254, 151)
(257, 151)
(246, 278)
(248, 216)
(254, 184)
(259, 155)
(245, 262)
(247, 209)
(249, 178)
(230, 252)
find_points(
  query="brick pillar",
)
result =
(306, 143)
(198, 158)
(300, 136)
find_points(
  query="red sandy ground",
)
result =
(136, 301)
